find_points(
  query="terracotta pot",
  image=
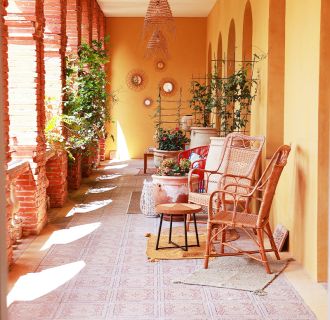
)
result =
(160, 155)
(172, 189)
(74, 172)
(200, 136)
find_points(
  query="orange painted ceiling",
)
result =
(138, 8)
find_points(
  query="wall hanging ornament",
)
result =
(136, 80)
(160, 65)
(158, 17)
(147, 102)
(167, 87)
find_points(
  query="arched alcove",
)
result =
(219, 56)
(247, 33)
(247, 46)
(209, 59)
(231, 49)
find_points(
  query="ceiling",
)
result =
(138, 8)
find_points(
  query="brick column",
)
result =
(4, 49)
(101, 24)
(95, 26)
(73, 25)
(57, 171)
(25, 22)
(86, 21)
(55, 49)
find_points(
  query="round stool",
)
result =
(178, 209)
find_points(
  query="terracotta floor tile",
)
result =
(117, 282)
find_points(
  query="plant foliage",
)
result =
(85, 111)
(170, 140)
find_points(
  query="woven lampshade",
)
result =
(157, 45)
(158, 17)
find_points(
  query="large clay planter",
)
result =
(172, 189)
(74, 172)
(200, 136)
(160, 155)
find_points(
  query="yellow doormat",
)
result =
(178, 237)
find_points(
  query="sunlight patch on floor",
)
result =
(118, 166)
(88, 207)
(100, 190)
(35, 285)
(66, 236)
(108, 177)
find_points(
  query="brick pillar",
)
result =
(4, 49)
(95, 27)
(102, 24)
(57, 176)
(86, 21)
(55, 49)
(73, 25)
(102, 149)
(25, 22)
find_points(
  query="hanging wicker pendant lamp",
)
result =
(157, 45)
(158, 17)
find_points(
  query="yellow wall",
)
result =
(187, 56)
(299, 203)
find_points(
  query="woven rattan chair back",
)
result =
(268, 182)
(240, 156)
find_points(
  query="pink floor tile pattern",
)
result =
(117, 282)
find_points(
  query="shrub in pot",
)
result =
(169, 144)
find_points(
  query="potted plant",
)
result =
(235, 99)
(82, 123)
(169, 144)
(203, 103)
(170, 183)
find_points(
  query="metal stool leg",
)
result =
(196, 231)
(185, 233)
(159, 230)
(170, 235)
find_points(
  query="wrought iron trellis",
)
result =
(217, 115)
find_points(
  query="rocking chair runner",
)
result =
(221, 215)
(240, 156)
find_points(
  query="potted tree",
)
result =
(203, 102)
(86, 97)
(169, 144)
(235, 99)
(79, 127)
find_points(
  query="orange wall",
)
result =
(187, 56)
(297, 70)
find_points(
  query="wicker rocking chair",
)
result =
(239, 157)
(222, 215)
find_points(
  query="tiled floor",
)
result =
(90, 263)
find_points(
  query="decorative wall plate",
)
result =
(167, 87)
(136, 80)
(147, 102)
(160, 65)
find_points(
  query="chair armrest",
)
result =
(237, 199)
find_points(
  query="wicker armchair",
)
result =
(240, 156)
(222, 215)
